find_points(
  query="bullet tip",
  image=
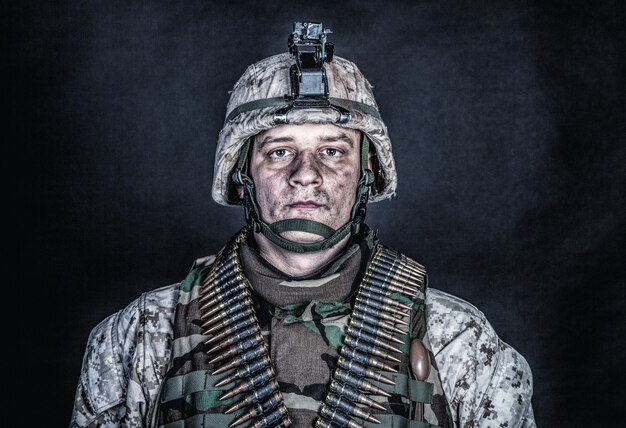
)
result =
(392, 358)
(377, 406)
(226, 396)
(384, 379)
(221, 383)
(373, 419)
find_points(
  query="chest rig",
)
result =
(221, 373)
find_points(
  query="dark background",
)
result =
(508, 126)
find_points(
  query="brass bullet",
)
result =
(239, 347)
(247, 369)
(406, 280)
(239, 297)
(368, 348)
(368, 302)
(223, 290)
(352, 394)
(359, 383)
(349, 408)
(255, 396)
(366, 360)
(365, 317)
(417, 276)
(239, 313)
(239, 360)
(358, 306)
(366, 337)
(323, 423)
(364, 371)
(249, 320)
(389, 289)
(258, 409)
(250, 383)
(221, 284)
(404, 263)
(335, 416)
(236, 339)
(230, 262)
(385, 300)
(275, 416)
(389, 283)
(391, 260)
(357, 326)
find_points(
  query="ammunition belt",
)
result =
(380, 314)
(231, 322)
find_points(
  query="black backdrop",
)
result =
(508, 126)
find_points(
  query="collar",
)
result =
(336, 281)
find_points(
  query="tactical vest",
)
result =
(220, 373)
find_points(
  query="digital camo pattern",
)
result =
(486, 381)
(488, 384)
(124, 363)
(269, 78)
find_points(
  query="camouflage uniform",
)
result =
(486, 382)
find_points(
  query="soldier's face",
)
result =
(307, 172)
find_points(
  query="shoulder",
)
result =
(455, 324)
(449, 316)
(149, 310)
(113, 342)
(486, 379)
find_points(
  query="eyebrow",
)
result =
(341, 136)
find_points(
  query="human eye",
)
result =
(331, 152)
(278, 153)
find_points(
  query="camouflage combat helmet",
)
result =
(283, 89)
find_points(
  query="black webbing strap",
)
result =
(282, 102)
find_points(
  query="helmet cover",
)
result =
(269, 79)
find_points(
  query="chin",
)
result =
(301, 237)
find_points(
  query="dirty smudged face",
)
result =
(308, 171)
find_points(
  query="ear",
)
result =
(372, 160)
(239, 189)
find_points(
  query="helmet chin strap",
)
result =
(330, 236)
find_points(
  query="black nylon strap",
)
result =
(256, 105)
(282, 102)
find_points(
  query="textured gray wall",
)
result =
(508, 125)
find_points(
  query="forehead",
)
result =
(309, 132)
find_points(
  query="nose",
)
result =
(306, 171)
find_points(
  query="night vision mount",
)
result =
(309, 85)
(308, 45)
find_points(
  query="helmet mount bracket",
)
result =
(309, 84)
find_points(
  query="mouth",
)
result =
(304, 205)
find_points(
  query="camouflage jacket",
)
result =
(486, 382)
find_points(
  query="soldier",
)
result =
(303, 318)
